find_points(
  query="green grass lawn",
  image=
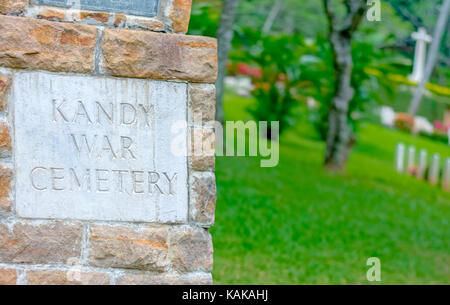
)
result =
(298, 224)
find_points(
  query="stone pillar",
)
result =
(101, 181)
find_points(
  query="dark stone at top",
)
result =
(146, 8)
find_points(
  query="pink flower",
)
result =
(440, 126)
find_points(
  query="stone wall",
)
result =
(52, 250)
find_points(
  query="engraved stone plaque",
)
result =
(97, 148)
(147, 8)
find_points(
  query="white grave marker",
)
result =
(423, 162)
(420, 54)
(433, 174)
(400, 158)
(446, 176)
(411, 160)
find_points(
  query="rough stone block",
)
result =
(5, 205)
(52, 15)
(180, 13)
(12, 6)
(101, 17)
(72, 277)
(5, 84)
(40, 243)
(202, 154)
(144, 54)
(202, 102)
(5, 182)
(191, 249)
(5, 139)
(124, 247)
(8, 276)
(198, 278)
(46, 45)
(202, 201)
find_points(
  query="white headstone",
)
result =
(433, 174)
(446, 176)
(400, 158)
(420, 54)
(422, 167)
(448, 135)
(411, 167)
(98, 148)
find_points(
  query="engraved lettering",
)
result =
(120, 178)
(79, 148)
(80, 180)
(172, 181)
(107, 147)
(138, 181)
(153, 178)
(109, 116)
(126, 146)
(127, 120)
(147, 113)
(74, 178)
(81, 112)
(102, 180)
(57, 109)
(56, 177)
(101, 150)
(32, 176)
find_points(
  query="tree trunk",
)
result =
(272, 16)
(339, 134)
(340, 138)
(432, 56)
(224, 36)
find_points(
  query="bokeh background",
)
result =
(300, 222)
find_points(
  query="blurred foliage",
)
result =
(289, 70)
(205, 17)
(294, 69)
(370, 89)
(399, 19)
(295, 57)
(421, 13)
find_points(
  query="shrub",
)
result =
(404, 121)
(282, 73)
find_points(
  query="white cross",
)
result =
(420, 55)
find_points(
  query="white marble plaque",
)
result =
(148, 8)
(97, 148)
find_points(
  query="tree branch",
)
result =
(356, 10)
(444, 59)
(403, 12)
(355, 13)
(331, 15)
(272, 16)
